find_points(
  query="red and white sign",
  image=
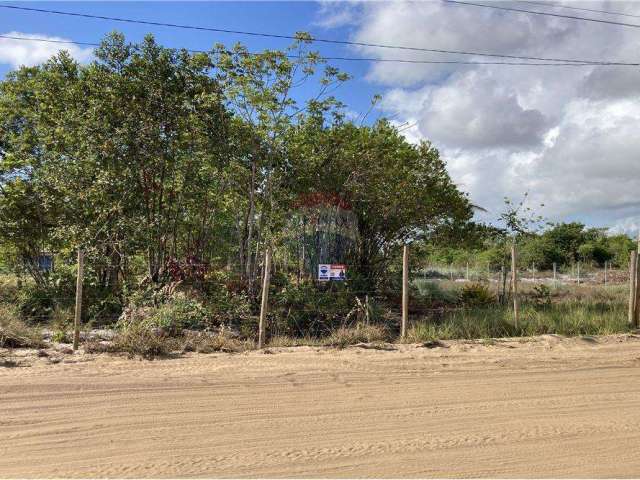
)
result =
(332, 271)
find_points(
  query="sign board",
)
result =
(332, 271)
(45, 262)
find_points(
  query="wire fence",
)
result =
(567, 275)
(299, 302)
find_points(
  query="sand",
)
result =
(546, 407)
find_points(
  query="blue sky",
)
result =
(269, 17)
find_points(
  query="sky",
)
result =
(566, 135)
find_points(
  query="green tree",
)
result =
(125, 154)
(262, 89)
(398, 192)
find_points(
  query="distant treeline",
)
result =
(564, 244)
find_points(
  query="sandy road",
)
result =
(552, 407)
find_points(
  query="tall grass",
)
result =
(568, 318)
(14, 332)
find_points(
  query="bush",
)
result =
(142, 341)
(179, 314)
(174, 316)
(36, 303)
(476, 295)
(307, 310)
(542, 294)
(62, 325)
(204, 342)
(15, 333)
(433, 294)
(343, 337)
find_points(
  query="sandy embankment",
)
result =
(550, 407)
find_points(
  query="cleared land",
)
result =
(545, 407)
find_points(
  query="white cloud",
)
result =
(568, 135)
(628, 225)
(31, 52)
(335, 14)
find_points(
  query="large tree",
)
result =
(398, 192)
(125, 154)
(263, 90)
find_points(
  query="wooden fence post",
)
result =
(555, 275)
(405, 291)
(578, 272)
(514, 280)
(78, 316)
(503, 285)
(605, 272)
(636, 303)
(633, 266)
(264, 304)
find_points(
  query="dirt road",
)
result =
(550, 407)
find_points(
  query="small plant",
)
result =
(171, 318)
(344, 337)
(142, 341)
(364, 311)
(15, 333)
(476, 295)
(432, 293)
(204, 342)
(542, 294)
(61, 323)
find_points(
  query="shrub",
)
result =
(205, 342)
(174, 316)
(476, 295)
(36, 303)
(307, 310)
(342, 337)
(431, 293)
(179, 314)
(542, 294)
(142, 341)
(15, 333)
(62, 324)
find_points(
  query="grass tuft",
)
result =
(361, 333)
(203, 342)
(15, 333)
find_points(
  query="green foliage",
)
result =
(62, 325)
(37, 303)
(563, 244)
(170, 317)
(539, 251)
(226, 306)
(307, 310)
(396, 191)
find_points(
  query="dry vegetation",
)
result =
(467, 311)
(15, 333)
